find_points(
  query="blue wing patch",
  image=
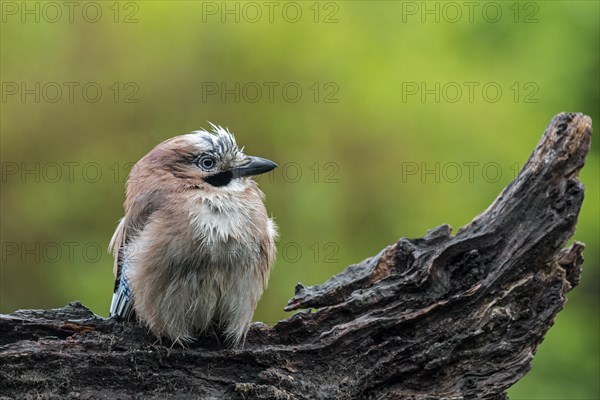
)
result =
(122, 300)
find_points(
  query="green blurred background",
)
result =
(365, 105)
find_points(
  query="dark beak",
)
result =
(255, 166)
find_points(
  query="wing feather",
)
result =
(136, 218)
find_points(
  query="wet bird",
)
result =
(195, 248)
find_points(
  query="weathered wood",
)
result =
(438, 317)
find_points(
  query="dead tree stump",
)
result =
(440, 317)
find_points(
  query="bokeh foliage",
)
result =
(363, 161)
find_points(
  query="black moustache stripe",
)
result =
(220, 179)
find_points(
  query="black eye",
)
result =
(207, 162)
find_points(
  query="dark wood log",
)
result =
(441, 317)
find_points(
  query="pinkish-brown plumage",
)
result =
(196, 246)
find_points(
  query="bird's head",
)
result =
(197, 159)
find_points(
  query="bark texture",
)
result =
(440, 317)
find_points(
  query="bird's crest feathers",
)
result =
(221, 139)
